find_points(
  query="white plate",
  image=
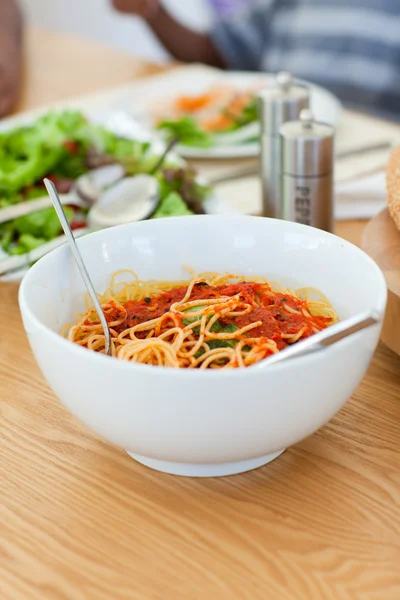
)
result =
(197, 79)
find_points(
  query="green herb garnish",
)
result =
(187, 131)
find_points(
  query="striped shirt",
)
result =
(225, 8)
(352, 47)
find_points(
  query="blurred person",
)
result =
(10, 54)
(225, 8)
(351, 48)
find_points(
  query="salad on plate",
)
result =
(63, 146)
(223, 115)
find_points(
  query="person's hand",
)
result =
(141, 8)
(183, 43)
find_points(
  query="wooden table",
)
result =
(62, 66)
(80, 520)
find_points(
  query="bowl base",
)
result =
(207, 470)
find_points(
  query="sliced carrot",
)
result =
(238, 104)
(193, 103)
(219, 122)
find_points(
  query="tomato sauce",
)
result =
(268, 308)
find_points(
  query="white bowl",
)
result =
(194, 422)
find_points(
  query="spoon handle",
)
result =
(79, 261)
(348, 327)
(324, 338)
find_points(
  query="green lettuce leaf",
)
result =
(172, 206)
(187, 131)
(56, 143)
(29, 232)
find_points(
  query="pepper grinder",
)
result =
(307, 171)
(278, 104)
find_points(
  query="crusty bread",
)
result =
(393, 186)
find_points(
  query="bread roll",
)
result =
(393, 186)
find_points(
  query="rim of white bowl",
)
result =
(172, 371)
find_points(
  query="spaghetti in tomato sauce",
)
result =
(211, 322)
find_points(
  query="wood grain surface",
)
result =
(60, 66)
(381, 240)
(80, 520)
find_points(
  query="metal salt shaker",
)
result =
(307, 171)
(278, 104)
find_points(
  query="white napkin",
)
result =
(355, 199)
(360, 198)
